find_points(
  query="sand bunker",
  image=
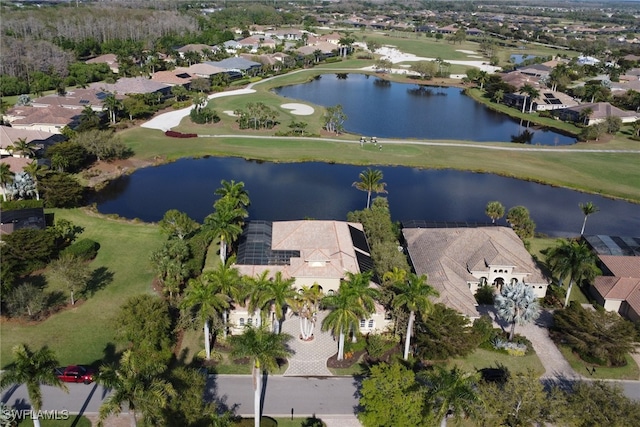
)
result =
(230, 113)
(299, 109)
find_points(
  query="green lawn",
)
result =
(81, 334)
(628, 372)
(481, 358)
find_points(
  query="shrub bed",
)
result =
(174, 134)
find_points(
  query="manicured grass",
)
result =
(82, 334)
(628, 372)
(481, 358)
(267, 421)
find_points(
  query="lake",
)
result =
(376, 107)
(288, 191)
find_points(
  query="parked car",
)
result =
(76, 374)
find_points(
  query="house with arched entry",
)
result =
(458, 260)
(312, 253)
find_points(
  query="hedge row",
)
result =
(174, 134)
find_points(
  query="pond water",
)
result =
(376, 107)
(324, 191)
(520, 58)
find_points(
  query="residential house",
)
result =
(9, 135)
(77, 99)
(109, 58)
(132, 86)
(51, 119)
(231, 46)
(599, 111)
(459, 260)
(313, 253)
(618, 289)
(176, 77)
(16, 164)
(203, 70)
(199, 48)
(236, 66)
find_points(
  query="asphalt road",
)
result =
(305, 396)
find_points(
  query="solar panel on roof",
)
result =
(548, 95)
(364, 262)
(359, 240)
(84, 101)
(556, 101)
(101, 95)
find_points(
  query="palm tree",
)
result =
(138, 384)
(204, 295)
(451, 392)
(494, 210)
(226, 221)
(526, 90)
(358, 285)
(227, 279)
(585, 115)
(414, 293)
(587, 209)
(345, 314)
(305, 304)
(370, 181)
(23, 147)
(234, 191)
(482, 78)
(517, 303)
(257, 295)
(112, 105)
(574, 259)
(32, 368)
(6, 177)
(35, 171)
(264, 349)
(498, 96)
(279, 292)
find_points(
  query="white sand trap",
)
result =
(230, 113)
(299, 109)
(470, 52)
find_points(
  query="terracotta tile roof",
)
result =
(76, 98)
(52, 115)
(622, 266)
(601, 110)
(174, 77)
(448, 255)
(16, 164)
(195, 48)
(108, 58)
(204, 69)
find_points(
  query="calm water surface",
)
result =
(380, 108)
(324, 191)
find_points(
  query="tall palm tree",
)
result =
(358, 285)
(370, 181)
(112, 105)
(526, 90)
(498, 96)
(6, 177)
(32, 368)
(587, 209)
(227, 279)
(138, 384)
(573, 259)
(345, 314)
(451, 392)
(517, 303)
(204, 295)
(585, 115)
(257, 295)
(415, 294)
(306, 305)
(35, 171)
(226, 221)
(494, 210)
(279, 292)
(264, 349)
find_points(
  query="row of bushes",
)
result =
(174, 134)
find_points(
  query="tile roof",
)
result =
(622, 266)
(172, 77)
(602, 110)
(75, 98)
(51, 115)
(16, 164)
(128, 85)
(326, 249)
(448, 255)
(9, 135)
(234, 63)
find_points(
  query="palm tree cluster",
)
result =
(355, 300)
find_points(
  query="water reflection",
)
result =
(397, 110)
(324, 191)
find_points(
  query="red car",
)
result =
(76, 374)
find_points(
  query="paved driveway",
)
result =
(555, 365)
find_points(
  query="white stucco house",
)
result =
(313, 253)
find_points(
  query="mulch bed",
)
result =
(333, 361)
